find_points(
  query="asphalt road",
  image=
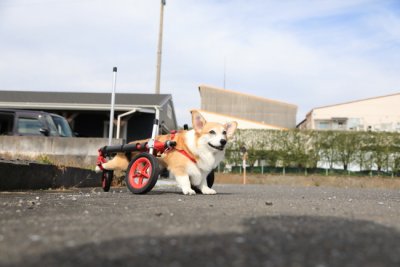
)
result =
(241, 226)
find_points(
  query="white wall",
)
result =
(381, 113)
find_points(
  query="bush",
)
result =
(294, 151)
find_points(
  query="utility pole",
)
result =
(159, 50)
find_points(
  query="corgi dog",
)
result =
(197, 152)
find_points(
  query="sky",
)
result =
(303, 52)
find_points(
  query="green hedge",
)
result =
(302, 151)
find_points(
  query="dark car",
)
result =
(28, 122)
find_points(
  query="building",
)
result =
(248, 107)
(380, 113)
(89, 113)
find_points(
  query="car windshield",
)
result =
(62, 126)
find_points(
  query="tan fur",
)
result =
(119, 162)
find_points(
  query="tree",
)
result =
(380, 148)
(327, 144)
(252, 156)
(284, 151)
(362, 154)
(392, 148)
(396, 155)
(302, 149)
(307, 149)
(347, 146)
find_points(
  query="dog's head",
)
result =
(212, 134)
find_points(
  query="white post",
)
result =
(119, 121)
(110, 132)
(159, 49)
(244, 168)
(154, 132)
(118, 126)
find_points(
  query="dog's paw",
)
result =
(208, 191)
(97, 169)
(188, 191)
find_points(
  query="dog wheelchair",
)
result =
(143, 170)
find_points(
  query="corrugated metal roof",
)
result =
(82, 98)
(242, 123)
(248, 107)
(222, 90)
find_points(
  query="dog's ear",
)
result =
(198, 121)
(230, 128)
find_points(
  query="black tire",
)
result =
(210, 182)
(142, 173)
(106, 179)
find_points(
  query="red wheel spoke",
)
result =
(144, 171)
(146, 167)
(145, 174)
(140, 181)
(139, 168)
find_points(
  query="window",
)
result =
(398, 126)
(51, 126)
(6, 124)
(323, 125)
(29, 126)
(341, 125)
(62, 126)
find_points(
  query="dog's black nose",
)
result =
(223, 142)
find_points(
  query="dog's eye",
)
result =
(224, 132)
(212, 132)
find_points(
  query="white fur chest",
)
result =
(208, 158)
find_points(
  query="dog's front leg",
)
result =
(204, 187)
(184, 183)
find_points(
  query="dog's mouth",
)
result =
(221, 147)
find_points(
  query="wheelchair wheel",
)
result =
(142, 173)
(106, 179)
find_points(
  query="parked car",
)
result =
(28, 122)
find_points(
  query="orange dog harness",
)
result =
(183, 152)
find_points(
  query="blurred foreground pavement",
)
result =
(251, 225)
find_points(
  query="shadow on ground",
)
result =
(267, 241)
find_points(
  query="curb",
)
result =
(23, 175)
